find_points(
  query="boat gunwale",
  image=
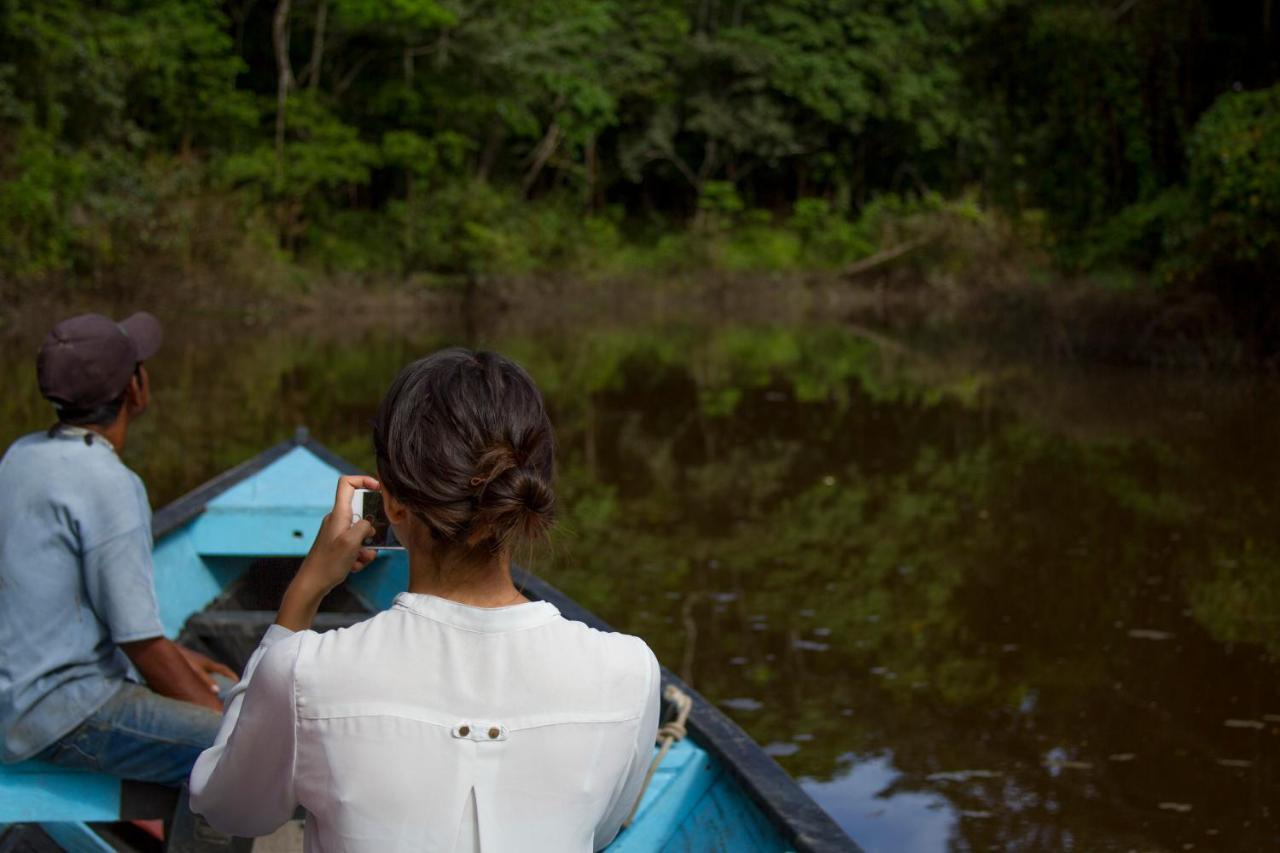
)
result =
(800, 820)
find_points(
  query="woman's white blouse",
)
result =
(437, 726)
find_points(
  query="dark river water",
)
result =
(969, 605)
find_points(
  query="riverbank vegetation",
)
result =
(1135, 144)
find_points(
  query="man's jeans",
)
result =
(139, 734)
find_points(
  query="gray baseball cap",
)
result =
(87, 360)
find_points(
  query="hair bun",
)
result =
(533, 491)
(517, 504)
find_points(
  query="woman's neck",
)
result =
(491, 587)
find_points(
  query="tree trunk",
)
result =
(284, 72)
(317, 46)
(497, 132)
(589, 155)
(541, 154)
(409, 216)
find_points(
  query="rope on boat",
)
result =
(668, 733)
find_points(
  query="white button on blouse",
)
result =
(437, 726)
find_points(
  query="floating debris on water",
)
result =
(1271, 718)
(781, 749)
(1122, 756)
(1244, 724)
(811, 645)
(963, 775)
(1235, 762)
(742, 703)
(1150, 634)
(739, 661)
(802, 737)
(1176, 807)
(978, 815)
(1058, 759)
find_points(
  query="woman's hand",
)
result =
(336, 553)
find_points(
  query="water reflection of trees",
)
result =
(979, 594)
(868, 548)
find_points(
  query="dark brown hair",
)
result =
(463, 440)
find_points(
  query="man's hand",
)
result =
(337, 552)
(207, 667)
(168, 671)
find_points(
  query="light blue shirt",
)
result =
(75, 581)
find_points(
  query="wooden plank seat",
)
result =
(36, 791)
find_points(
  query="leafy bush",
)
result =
(1235, 171)
(38, 188)
(828, 239)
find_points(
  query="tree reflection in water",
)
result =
(963, 621)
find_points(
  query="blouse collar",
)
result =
(486, 620)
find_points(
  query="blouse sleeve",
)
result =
(629, 786)
(244, 783)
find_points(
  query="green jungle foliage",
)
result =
(491, 136)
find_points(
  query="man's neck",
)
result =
(114, 432)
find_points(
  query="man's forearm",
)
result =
(168, 673)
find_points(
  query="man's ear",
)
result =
(138, 394)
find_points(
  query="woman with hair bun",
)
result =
(466, 717)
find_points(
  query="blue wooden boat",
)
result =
(224, 553)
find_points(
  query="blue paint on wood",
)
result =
(693, 805)
(34, 791)
(683, 778)
(380, 582)
(297, 481)
(725, 819)
(75, 837)
(274, 513)
(185, 584)
(275, 532)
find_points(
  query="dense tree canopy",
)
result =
(419, 134)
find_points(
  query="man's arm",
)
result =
(119, 582)
(168, 672)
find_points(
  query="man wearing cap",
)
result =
(79, 625)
